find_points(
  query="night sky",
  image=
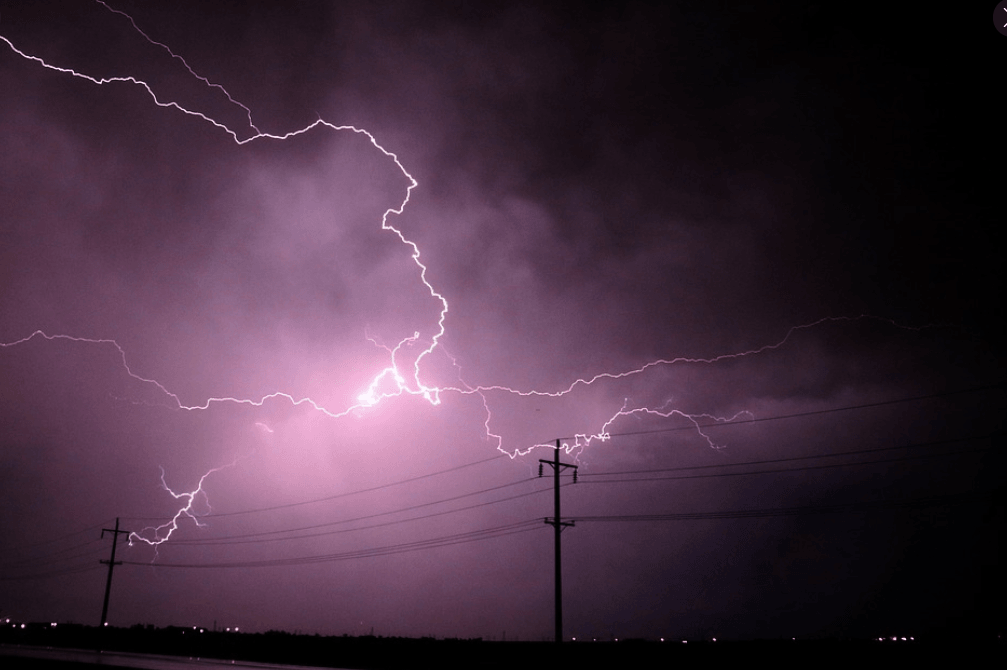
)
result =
(746, 230)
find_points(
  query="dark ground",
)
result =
(394, 653)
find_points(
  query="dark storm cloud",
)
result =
(637, 167)
(598, 189)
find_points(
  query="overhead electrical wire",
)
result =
(260, 537)
(499, 456)
(587, 475)
(386, 550)
(523, 526)
(359, 491)
(532, 524)
(76, 570)
(60, 538)
(788, 511)
(881, 403)
(15, 570)
(336, 496)
(51, 557)
(27, 567)
(284, 534)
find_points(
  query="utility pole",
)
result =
(556, 523)
(111, 564)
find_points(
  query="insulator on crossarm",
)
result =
(574, 476)
(539, 469)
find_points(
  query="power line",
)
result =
(532, 524)
(508, 529)
(236, 539)
(628, 433)
(798, 458)
(386, 550)
(54, 557)
(790, 511)
(59, 538)
(377, 514)
(239, 539)
(73, 570)
(271, 536)
(338, 495)
(882, 403)
(801, 469)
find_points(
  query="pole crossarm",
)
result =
(549, 520)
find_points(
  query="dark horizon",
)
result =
(333, 278)
(78, 644)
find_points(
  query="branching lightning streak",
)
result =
(583, 440)
(410, 384)
(395, 379)
(165, 47)
(163, 532)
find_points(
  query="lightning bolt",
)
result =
(402, 381)
(162, 533)
(402, 375)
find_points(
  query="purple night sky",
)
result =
(755, 214)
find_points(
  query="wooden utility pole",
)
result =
(111, 564)
(556, 523)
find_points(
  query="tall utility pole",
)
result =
(556, 523)
(111, 564)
